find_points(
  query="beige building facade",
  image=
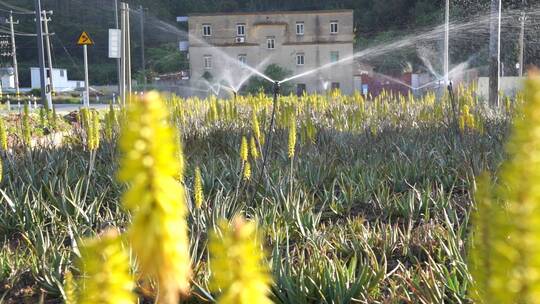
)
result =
(222, 46)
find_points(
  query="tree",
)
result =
(274, 71)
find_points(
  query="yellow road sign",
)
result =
(84, 39)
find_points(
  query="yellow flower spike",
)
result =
(105, 272)
(238, 265)
(256, 128)
(247, 171)
(254, 150)
(292, 135)
(93, 132)
(69, 289)
(510, 247)
(181, 158)
(3, 135)
(198, 188)
(244, 150)
(158, 233)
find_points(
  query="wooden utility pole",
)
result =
(495, 52)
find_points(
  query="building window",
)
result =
(207, 30)
(334, 27)
(300, 59)
(334, 56)
(335, 86)
(62, 73)
(270, 43)
(242, 58)
(300, 28)
(240, 29)
(207, 62)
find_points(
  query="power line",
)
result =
(5, 31)
(17, 9)
(69, 55)
(14, 12)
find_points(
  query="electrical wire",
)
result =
(16, 9)
(74, 63)
(15, 13)
(2, 31)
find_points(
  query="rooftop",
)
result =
(272, 13)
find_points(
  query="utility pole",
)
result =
(125, 60)
(45, 94)
(127, 31)
(14, 53)
(143, 63)
(447, 43)
(48, 48)
(495, 52)
(523, 18)
(86, 81)
(122, 83)
(117, 24)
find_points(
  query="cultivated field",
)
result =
(346, 200)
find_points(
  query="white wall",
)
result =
(509, 85)
(60, 79)
(8, 82)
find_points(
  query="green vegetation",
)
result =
(359, 200)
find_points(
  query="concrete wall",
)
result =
(316, 44)
(509, 85)
(60, 80)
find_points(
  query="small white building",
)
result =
(7, 78)
(60, 80)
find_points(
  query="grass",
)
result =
(373, 207)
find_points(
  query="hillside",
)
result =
(375, 21)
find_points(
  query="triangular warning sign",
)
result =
(85, 39)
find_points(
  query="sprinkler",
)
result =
(276, 89)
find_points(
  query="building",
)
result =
(60, 80)
(7, 78)
(299, 41)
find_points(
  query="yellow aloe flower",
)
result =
(237, 263)
(244, 150)
(198, 188)
(105, 272)
(158, 233)
(254, 150)
(93, 132)
(256, 128)
(505, 255)
(3, 135)
(292, 135)
(247, 171)
(69, 289)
